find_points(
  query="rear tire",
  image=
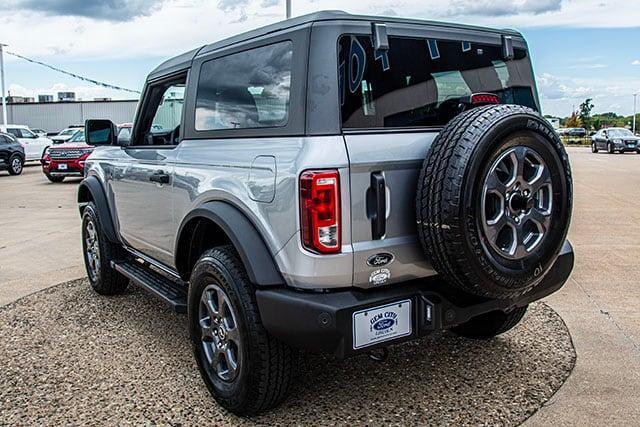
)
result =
(489, 325)
(247, 370)
(16, 164)
(98, 252)
(54, 178)
(494, 201)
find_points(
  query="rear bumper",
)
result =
(322, 322)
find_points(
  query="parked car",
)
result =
(39, 132)
(33, 144)
(68, 159)
(615, 140)
(577, 132)
(332, 183)
(11, 154)
(66, 134)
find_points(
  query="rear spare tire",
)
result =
(494, 200)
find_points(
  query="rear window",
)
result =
(420, 82)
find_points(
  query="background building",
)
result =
(45, 98)
(19, 99)
(66, 96)
(55, 116)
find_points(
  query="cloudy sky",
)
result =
(580, 48)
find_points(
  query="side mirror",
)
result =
(100, 132)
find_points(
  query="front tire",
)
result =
(489, 325)
(246, 370)
(594, 147)
(16, 164)
(98, 253)
(610, 148)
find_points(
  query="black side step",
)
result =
(172, 292)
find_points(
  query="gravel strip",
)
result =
(70, 356)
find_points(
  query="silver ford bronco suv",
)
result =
(332, 183)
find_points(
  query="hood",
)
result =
(71, 145)
(60, 137)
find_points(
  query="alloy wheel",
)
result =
(92, 249)
(220, 337)
(16, 165)
(516, 203)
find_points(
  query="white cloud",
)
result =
(172, 26)
(167, 27)
(560, 95)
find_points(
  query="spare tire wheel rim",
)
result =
(516, 204)
(220, 337)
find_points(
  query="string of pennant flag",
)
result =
(86, 79)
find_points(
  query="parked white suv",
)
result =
(33, 144)
(66, 134)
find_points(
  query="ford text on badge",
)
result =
(380, 260)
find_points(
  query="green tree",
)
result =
(585, 113)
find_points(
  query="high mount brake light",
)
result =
(320, 211)
(484, 98)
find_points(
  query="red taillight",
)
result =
(320, 210)
(484, 98)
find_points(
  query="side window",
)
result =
(15, 132)
(26, 133)
(245, 90)
(3, 140)
(169, 113)
(161, 114)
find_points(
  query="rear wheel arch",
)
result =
(217, 223)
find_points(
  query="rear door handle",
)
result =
(160, 177)
(377, 205)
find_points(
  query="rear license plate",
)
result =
(62, 167)
(383, 323)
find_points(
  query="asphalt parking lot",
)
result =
(40, 246)
(39, 243)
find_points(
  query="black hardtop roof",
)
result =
(184, 60)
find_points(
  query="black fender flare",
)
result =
(254, 253)
(92, 186)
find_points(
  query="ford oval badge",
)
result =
(383, 324)
(380, 260)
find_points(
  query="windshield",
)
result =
(619, 133)
(67, 132)
(78, 137)
(421, 82)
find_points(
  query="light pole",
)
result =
(4, 101)
(635, 95)
(288, 6)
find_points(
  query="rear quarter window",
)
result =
(250, 89)
(420, 82)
